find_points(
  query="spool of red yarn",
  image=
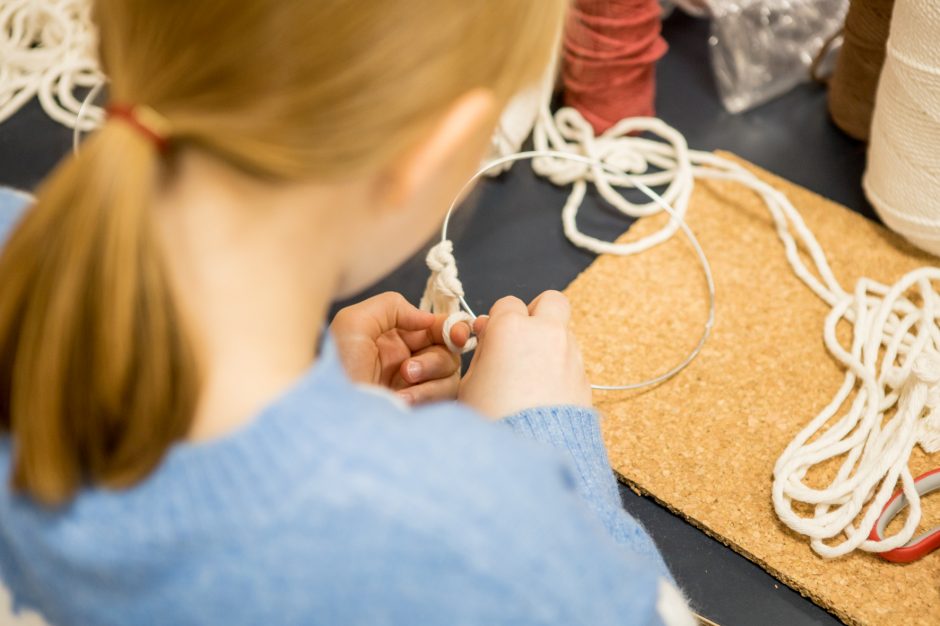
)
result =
(610, 53)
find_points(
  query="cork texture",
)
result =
(704, 443)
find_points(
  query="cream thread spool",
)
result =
(902, 180)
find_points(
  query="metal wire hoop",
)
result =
(82, 110)
(652, 195)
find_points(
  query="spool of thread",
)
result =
(902, 179)
(855, 79)
(609, 60)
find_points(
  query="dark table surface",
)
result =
(510, 242)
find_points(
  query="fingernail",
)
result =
(406, 397)
(414, 370)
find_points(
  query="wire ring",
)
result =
(80, 116)
(652, 195)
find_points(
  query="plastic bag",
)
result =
(761, 49)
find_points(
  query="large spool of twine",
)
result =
(853, 83)
(902, 179)
(610, 53)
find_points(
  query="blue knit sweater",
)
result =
(337, 505)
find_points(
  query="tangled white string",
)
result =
(893, 369)
(617, 160)
(892, 378)
(48, 51)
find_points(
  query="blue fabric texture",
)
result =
(337, 505)
(12, 203)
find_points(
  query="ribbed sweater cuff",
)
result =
(574, 431)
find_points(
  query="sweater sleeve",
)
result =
(12, 204)
(575, 432)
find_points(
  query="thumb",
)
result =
(459, 332)
(479, 326)
(479, 329)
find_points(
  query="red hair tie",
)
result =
(144, 120)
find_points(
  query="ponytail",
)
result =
(96, 376)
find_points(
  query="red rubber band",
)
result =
(128, 113)
(916, 549)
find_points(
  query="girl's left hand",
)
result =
(386, 341)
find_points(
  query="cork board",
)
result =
(704, 443)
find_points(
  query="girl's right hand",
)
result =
(527, 357)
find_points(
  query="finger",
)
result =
(479, 325)
(440, 390)
(429, 364)
(434, 335)
(388, 311)
(552, 305)
(417, 340)
(402, 314)
(509, 304)
(459, 332)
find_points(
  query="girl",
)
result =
(184, 443)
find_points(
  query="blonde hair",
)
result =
(97, 376)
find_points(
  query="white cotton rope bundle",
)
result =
(892, 365)
(515, 126)
(444, 293)
(48, 51)
(902, 180)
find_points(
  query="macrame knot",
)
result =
(895, 378)
(927, 369)
(443, 292)
(929, 433)
(443, 268)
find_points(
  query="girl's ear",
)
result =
(445, 156)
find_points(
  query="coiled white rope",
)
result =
(48, 51)
(893, 368)
(892, 377)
